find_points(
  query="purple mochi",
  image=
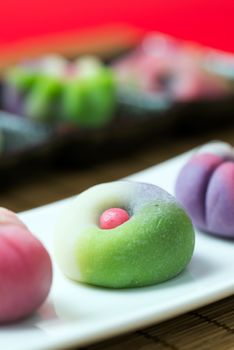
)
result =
(12, 99)
(205, 188)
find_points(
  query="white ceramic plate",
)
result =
(78, 315)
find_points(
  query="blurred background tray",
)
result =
(140, 117)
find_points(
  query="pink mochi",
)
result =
(25, 269)
(8, 217)
(205, 188)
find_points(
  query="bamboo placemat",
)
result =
(210, 327)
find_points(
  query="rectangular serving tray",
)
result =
(78, 315)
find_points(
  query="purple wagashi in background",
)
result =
(12, 99)
(205, 188)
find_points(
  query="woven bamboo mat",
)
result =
(211, 327)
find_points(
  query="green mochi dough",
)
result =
(42, 98)
(21, 78)
(89, 101)
(153, 246)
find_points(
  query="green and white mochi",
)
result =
(154, 245)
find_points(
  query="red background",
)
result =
(207, 21)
